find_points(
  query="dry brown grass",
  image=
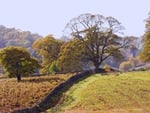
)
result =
(14, 95)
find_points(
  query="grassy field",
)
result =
(14, 95)
(126, 93)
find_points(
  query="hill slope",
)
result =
(126, 93)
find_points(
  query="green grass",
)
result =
(128, 91)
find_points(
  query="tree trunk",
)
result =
(96, 64)
(17, 72)
(18, 77)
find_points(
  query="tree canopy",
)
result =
(70, 57)
(48, 48)
(145, 54)
(17, 62)
(98, 34)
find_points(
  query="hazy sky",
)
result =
(50, 16)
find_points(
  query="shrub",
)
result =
(125, 66)
(128, 65)
(107, 67)
(133, 61)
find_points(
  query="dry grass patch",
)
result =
(14, 95)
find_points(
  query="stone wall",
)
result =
(54, 96)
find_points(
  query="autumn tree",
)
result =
(130, 64)
(145, 54)
(17, 62)
(48, 48)
(70, 57)
(98, 34)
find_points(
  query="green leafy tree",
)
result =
(48, 48)
(99, 35)
(17, 62)
(70, 57)
(145, 54)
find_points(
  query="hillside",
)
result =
(126, 93)
(15, 37)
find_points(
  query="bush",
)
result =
(133, 61)
(125, 66)
(107, 67)
(128, 65)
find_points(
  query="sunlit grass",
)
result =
(129, 91)
(14, 95)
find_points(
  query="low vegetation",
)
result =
(126, 93)
(14, 95)
(128, 65)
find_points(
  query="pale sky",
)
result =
(50, 16)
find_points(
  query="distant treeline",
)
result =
(16, 37)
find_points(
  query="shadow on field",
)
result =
(55, 95)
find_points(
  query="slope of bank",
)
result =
(126, 93)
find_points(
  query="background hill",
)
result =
(15, 37)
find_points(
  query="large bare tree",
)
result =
(99, 35)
